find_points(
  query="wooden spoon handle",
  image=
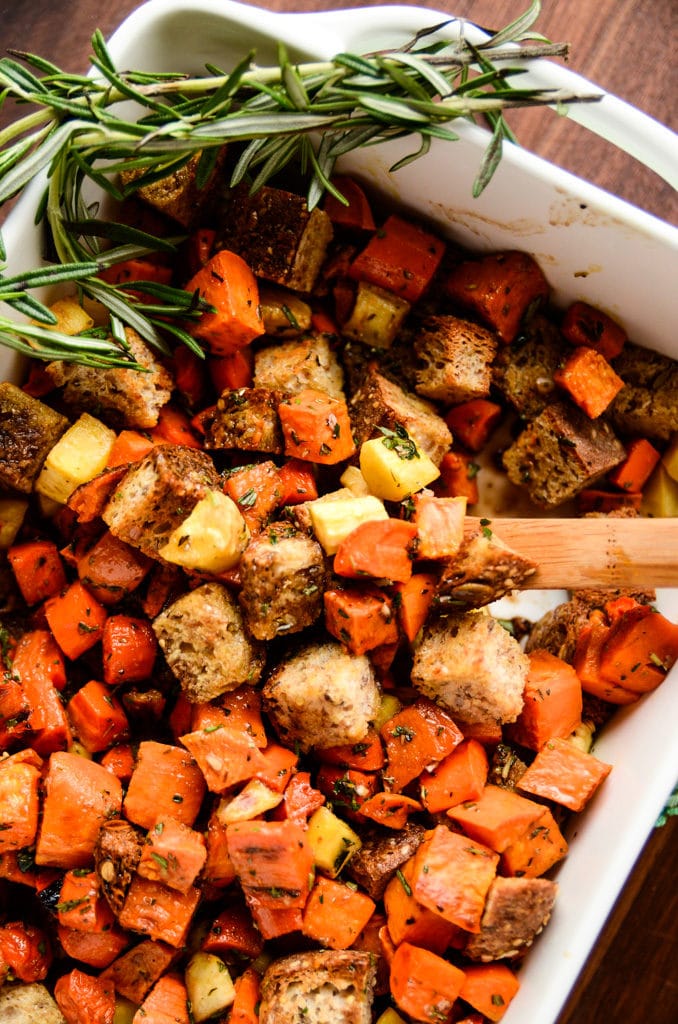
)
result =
(596, 553)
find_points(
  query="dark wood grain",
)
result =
(628, 47)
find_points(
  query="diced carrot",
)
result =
(639, 650)
(76, 619)
(497, 818)
(167, 1003)
(297, 482)
(500, 287)
(452, 875)
(242, 708)
(565, 774)
(593, 499)
(381, 548)
(166, 781)
(533, 853)
(219, 870)
(635, 470)
(81, 905)
(589, 380)
(300, 800)
(417, 736)
(489, 988)
(89, 499)
(316, 427)
(256, 491)
(277, 766)
(355, 212)
(119, 759)
(390, 809)
(26, 949)
(139, 268)
(232, 371)
(200, 246)
(472, 422)
(190, 376)
(14, 712)
(409, 921)
(155, 910)
(245, 1008)
(335, 913)
(423, 984)
(96, 949)
(585, 325)
(366, 756)
(19, 803)
(361, 619)
(225, 756)
(586, 662)
(552, 701)
(274, 859)
(80, 796)
(15, 868)
(39, 667)
(174, 427)
(458, 477)
(129, 649)
(346, 788)
(272, 921)
(322, 322)
(112, 569)
(164, 581)
(97, 717)
(38, 569)
(401, 257)
(129, 446)
(173, 854)
(414, 600)
(233, 931)
(84, 999)
(459, 777)
(227, 284)
(135, 972)
(440, 525)
(488, 733)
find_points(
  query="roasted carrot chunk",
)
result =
(233, 932)
(97, 717)
(452, 875)
(634, 472)
(538, 849)
(552, 701)
(129, 446)
(316, 427)
(84, 999)
(335, 913)
(26, 950)
(380, 548)
(129, 649)
(245, 1008)
(458, 477)
(38, 569)
(76, 619)
(472, 422)
(137, 970)
(354, 212)
(589, 380)
(155, 910)
(459, 777)
(389, 809)
(227, 284)
(166, 781)
(96, 949)
(497, 818)
(401, 257)
(415, 597)
(167, 1003)
(418, 736)
(423, 984)
(81, 905)
(173, 854)
(639, 650)
(585, 325)
(489, 988)
(565, 774)
(112, 569)
(361, 619)
(409, 921)
(19, 802)
(273, 858)
(225, 756)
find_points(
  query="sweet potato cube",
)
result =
(589, 380)
(565, 774)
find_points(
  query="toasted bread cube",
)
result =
(319, 986)
(29, 429)
(246, 419)
(292, 366)
(455, 359)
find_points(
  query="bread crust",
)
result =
(320, 987)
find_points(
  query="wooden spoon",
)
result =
(596, 553)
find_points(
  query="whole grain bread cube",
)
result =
(455, 359)
(381, 855)
(523, 372)
(283, 576)
(246, 418)
(470, 665)
(127, 398)
(323, 986)
(561, 452)
(515, 912)
(647, 405)
(322, 696)
(28, 1003)
(483, 570)
(29, 429)
(380, 402)
(156, 495)
(292, 366)
(206, 643)
(178, 194)
(276, 235)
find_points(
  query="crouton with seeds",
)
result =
(300, 363)
(455, 359)
(29, 429)
(319, 987)
(516, 910)
(647, 405)
(483, 570)
(246, 419)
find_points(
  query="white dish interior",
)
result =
(591, 246)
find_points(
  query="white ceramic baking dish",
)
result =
(592, 246)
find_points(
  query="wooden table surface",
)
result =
(628, 47)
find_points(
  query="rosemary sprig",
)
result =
(79, 134)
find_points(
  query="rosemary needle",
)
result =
(309, 113)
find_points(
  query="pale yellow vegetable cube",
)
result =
(389, 1016)
(253, 800)
(395, 467)
(660, 497)
(355, 481)
(78, 456)
(211, 539)
(71, 317)
(377, 316)
(124, 1011)
(670, 458)
(209, 986)
(12, 512)
(334, 520)
(331, 840)
(389, 705)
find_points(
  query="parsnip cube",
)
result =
(660, 496)
(78, 456)
(211, 539)
(253, 800)
(332, 841)
(377, 316)
(334, 520)
(12, 512)
(393, 470)
(670, 458)
(209, 986)
(71, 317)
(355, 481)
